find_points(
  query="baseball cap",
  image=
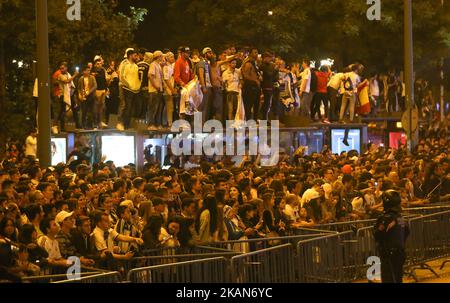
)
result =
(184, 49)
(126, 52)
(127, 203)
(98, 57)
(206, 50)
(62, 215)
(157, 54)
(310, 195)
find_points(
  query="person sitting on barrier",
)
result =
(391, 232)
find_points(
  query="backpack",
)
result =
(313, 85)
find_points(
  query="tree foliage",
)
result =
(102, 30)
(318, 29)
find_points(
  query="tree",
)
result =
(101, 30)
(324, 28)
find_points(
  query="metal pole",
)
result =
(44, 120)
(442, 80)
(409, 68)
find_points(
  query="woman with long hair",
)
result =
(207, 219)
(8, 229)
(152, 231)
(236, 194)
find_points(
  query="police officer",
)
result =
(391, 231)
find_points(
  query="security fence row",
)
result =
(318, 256)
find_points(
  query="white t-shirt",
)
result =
(374, 88)
(291, 212)
(306, 76)
(358, 205)
(99, 239)
(51, 246)
(168, 76)
(232, 78)
(31, 146)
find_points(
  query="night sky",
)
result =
(152, 32)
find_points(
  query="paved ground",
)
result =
(426, 276)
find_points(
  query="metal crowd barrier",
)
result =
(50, 278)
(255, 244)
(212, 270)
(346, 225)
(271, 265)
(429, 240)
(322, 259)
(426, 210)
(110, 277)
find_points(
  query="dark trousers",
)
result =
(129, 99)
(217, 104)
(392, 267)
(176, 107)
(333, 97)
(392, 97)
(141, 105)
(58, 112)
(251, 93)
(232, 104)
(268, 99)
(206, 105)
(155, 109)
(87, 111)
(318, 99)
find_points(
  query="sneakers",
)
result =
(55, 130)
(345, 142)
(326, 121)
(104, 125)
(152, 127)
(120, 127)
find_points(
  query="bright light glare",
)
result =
(327, 62)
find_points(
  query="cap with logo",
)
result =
(206, 50)
(62, 215)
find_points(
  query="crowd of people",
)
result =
(154, 88)
(102, 213)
